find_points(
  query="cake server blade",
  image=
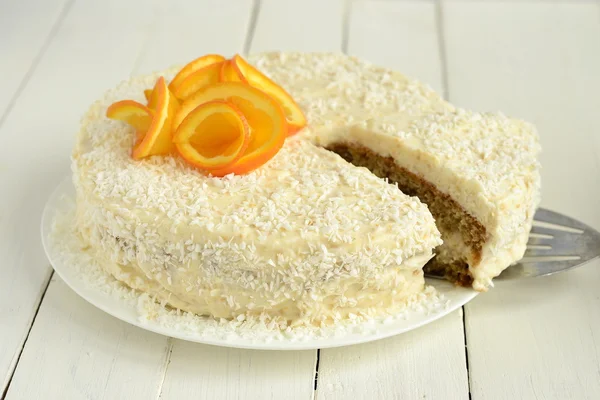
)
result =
(556, 243)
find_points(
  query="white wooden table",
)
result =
(536, 59)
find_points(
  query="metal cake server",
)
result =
(556, 243)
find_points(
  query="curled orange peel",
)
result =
(158, 137)
(230, 73)
(293, 114)
(192, 67)
(213, 135)
(265, 117)
(198, 80)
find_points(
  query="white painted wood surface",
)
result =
(209, 372)
(25, 28)
(537, 338)
(534, 59)
(309, 25)
(399, 367)
(24, 31)
(76, 351)
(183, 30)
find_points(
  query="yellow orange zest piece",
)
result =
(148, 94)
(294, 115)
(214, 135)
(153, 100)
(158, 138)
(133, 113)
(231, 73)
(198, 80)
(192, 67)
(268, 127)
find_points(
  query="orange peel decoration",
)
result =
(152, 98)
(265, 117)
(198, 80)
(158, 137)
(133, 113)
(294, 115)
(232, 118)
(192, 67)
(231, 73)
(213, 135)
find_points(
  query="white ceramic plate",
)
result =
(454, 297)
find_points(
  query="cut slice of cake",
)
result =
(478, 173)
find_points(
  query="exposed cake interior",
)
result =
(477, 173)
(463, 235)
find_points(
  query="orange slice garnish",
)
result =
(158, 138)
(293, 114)
(133, 113)
(231, 73)
(148, 94)
(192, 67)
(152, 98)
(268, 127)
(213, 135)
(198, 80)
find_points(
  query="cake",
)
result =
(309, 238)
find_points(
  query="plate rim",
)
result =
(100, 299)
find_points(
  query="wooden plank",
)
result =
(209, 372)
(401, 36)
(536, 338)
(187, 29)
(429, 362)
(76, 351)
(215, 372)
(25, 26)
(39, 132)
(308, 25)
(84, 41)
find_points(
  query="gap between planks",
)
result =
(168, 353)
(251, 25)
